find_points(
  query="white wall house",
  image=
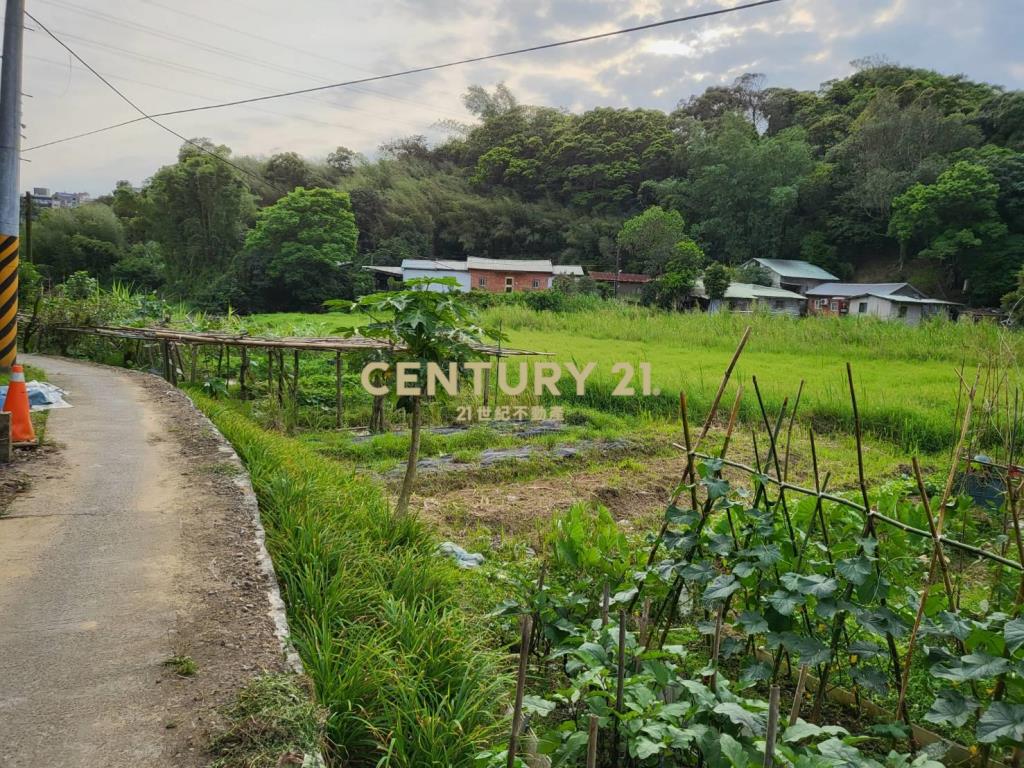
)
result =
(417, 268)
(889, 301)
(749, 297)
(794, 275)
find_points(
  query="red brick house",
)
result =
(509, 275)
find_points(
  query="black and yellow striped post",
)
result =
(8, 300)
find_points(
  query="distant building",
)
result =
(794, 275)
(509, 275)
(493, 275)
(889, 301)
(628, 283)
(436, 268)
(748, 297)
(384, 276)
(571, 270)
(43, 198)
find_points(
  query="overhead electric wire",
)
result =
(206, 47)
(187, 68)
(295, 116)
(149, 117)
(280, 44)
(429, 68)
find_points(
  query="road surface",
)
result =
(131, 545)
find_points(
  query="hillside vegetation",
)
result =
(902, 173)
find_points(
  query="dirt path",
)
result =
(133, 543)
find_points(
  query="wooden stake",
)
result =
(620, 681)
(338, 402)
(592, 743)
(517, 711)
(243, 369)
(773, 727)
(798, 696)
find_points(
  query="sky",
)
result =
(172, 54)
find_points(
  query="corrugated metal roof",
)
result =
(858, 289)
(510, 265)
(396, 271)
(796, 269)
(624, 277)
(568, 269)
(435, 264)
(750, 291)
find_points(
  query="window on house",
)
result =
(510, 284)
(481, 282)
(834, 306)
(536, 283)
(903, 310)
(862, 308)
(779, 304)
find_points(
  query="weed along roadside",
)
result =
(377, 617)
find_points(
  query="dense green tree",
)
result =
(954, 220)
(342, 162)
(647, 241)
(716, 280)
(88, 238)
(743, 190)
(142, 267)
(287, 170)
(200, 210)
(301, 251)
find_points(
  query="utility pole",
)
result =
(10, 160)
(28, 227)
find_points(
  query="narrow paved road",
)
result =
(127, 550)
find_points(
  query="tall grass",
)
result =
(406, 676)
(935, 340)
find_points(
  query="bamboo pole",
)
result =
(517, 711)
(592, 742)
(620, 682)
(773, 727)
(339, 419)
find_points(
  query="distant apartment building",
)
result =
(43, 198)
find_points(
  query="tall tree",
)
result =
(201, 208)
(302, 250)
(954, 220)
(647, 241)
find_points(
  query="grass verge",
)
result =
(403, 671)
(273, 722)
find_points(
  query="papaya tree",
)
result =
(429, 322)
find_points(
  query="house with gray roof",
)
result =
(792, 274)
(749, 297)
(889, 301)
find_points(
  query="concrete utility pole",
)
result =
(10, 161)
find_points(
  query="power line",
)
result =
(430, 68)
(263, 110)
(149, 117)
(208, 47)
(203, 72)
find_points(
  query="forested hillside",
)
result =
(891, 173)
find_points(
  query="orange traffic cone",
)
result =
(16, 404)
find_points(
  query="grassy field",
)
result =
(906, 378)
